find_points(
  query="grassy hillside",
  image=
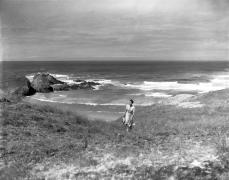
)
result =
(167, 142)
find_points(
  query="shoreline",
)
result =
(167, 141)
(182, 136)
(114, 112)
(84, 110)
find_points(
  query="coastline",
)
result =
(112, 112)
(167, 141)
(84, 110)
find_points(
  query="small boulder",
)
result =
(79, 80)
(74, 86)
(60, 87)
(92, 83)
(88, 85)
(85, 85)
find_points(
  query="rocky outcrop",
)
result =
(88, 85)
(79, 80)
(91, 83)
(17, 89)
(42, 82)
(60, 87)
(84, 85)
(48, 77)
(24, 88)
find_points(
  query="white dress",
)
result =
(128, 118)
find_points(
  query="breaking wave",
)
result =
(67, 101)
(216, 82)
(71, 79)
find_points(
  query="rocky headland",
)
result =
(44, 83)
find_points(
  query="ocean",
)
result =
(145, 82)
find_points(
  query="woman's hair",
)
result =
(131, 100)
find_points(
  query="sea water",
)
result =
(145, 82)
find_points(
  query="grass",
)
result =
(44, 142)
(34, 133)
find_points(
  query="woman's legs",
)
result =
(129, 127)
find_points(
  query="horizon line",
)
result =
(113, 60)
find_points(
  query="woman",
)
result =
(129, 115)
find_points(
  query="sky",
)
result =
(114, 30)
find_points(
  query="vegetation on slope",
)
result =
(167, 142)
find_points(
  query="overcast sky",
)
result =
(115, 29)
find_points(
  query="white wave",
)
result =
(66, 101)
(137, 94)
(64, 78)
(107, 112)
(71, 79)
(30, 77)
(97, 87)
(61, 95)
(123, 104)
(61, 77)
(115, 104)
(88, 103)
(50, 100)
(152, 94)
(101, 81)
(218, 82)
(157, 94)
(104, 82)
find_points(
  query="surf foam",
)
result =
(158, 95)
(217, 82)
(71, 79)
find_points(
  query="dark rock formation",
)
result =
(79, 80)
(74, 86)
(87, 85)
(92, 83)
(24, 88)
(84, 85)
(42, 82)
(48, 77)
(60, 87)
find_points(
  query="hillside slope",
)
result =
(167, 142)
